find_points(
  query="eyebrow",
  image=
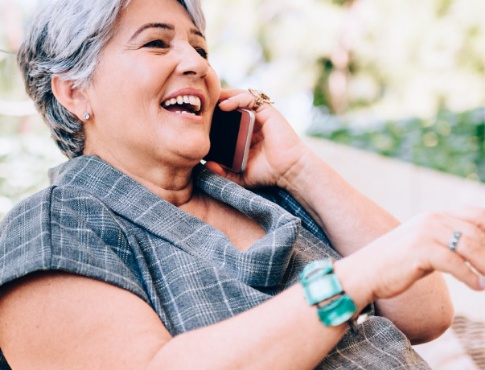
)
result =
(165, 26)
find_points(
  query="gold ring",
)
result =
(260, 98)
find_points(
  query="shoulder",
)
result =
(25, 223)
(40, 217)
(64, 228)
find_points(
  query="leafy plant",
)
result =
(449, 142)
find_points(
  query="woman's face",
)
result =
(153, 92)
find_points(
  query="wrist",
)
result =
(322, 289)
(353, 282)
(300, 174)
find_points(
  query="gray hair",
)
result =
(65, 40)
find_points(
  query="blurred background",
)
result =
(390, 92)
(401, 78)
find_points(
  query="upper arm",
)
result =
(54, 320)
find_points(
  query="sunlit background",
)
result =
(403, 79)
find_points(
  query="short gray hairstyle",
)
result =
(65, 39)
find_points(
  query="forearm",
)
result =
(352, 221)
(423, 312)
(75, 323)
(282, 333)
(349, 219)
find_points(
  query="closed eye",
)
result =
(156, 44)
(202, 52)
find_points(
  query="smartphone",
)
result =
(230, 137)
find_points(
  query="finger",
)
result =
(216, 168)
(469, 248)
(227, 93)
(250, 99)
(470, 245)
(454, 264)
(473, 215)
(465, 249)
(242, 100)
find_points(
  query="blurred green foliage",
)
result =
(449, 142)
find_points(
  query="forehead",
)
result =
(139, 12)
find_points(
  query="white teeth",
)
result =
(185, 99)
(195, 102)
(185, 112)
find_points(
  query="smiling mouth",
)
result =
(184, 104)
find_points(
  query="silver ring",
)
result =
(260, 98)
(454, 241)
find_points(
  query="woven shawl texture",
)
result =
(97, 222)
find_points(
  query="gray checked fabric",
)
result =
(97, 222)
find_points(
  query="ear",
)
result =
(72, 98)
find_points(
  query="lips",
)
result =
(184, 104)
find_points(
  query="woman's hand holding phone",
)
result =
(274, 149)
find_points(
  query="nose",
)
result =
(191, 63)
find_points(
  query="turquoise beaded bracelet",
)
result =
(320, 284)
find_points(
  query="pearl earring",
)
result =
(87, 116)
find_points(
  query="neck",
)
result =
(174, 184)
(177, 190)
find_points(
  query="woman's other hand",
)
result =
(275, 146)
(394, 262)
(400, 270)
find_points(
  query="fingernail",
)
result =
(481, 282)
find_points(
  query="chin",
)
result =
(194, 158)
(202, 149)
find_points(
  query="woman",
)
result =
(139, 257)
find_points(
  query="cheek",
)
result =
(123, 98)
(125, 76)
(214, 85)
